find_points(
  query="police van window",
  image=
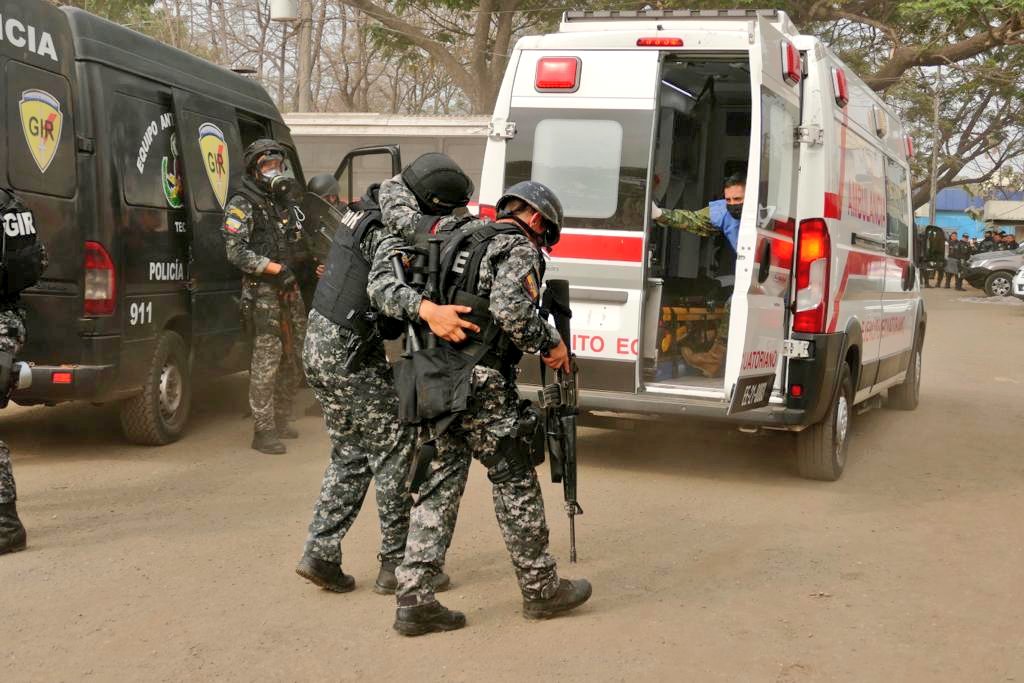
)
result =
(595, 161)
(40, 131)
(251, 130)
(897, 210)
(778, 158)
(148, 153)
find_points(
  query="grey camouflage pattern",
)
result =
(237, 231)
(518, 504)
(361, 415)
(12, 338)
(279, 325)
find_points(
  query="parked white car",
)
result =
(1018, 284)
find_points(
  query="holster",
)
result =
(519, 452)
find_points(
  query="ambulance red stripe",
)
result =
(591, 247)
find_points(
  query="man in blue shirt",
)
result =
(721, 215)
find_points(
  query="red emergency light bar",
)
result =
(839, 87)
(791, 67)
(560, 74)
(659, 42)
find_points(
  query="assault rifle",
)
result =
(559, 401)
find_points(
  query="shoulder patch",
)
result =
(232, 224)
(531, 285)
(238, 213)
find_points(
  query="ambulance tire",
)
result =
(158, 415)
(821, 448)
(907, 395)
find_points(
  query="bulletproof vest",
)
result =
(465, 245)
(271, 225)
(341, 293)
(22, 259)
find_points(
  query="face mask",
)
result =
(735, 210)
(280, 185)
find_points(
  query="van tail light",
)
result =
(813, 259)
(791, 67)
(910, 146)
(840, 88)
(487, 211)
(559, 74)
(100, 278)
(659, 42)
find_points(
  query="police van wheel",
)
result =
(158, 415)
(999, 283)
(907, 395)
(821, 448)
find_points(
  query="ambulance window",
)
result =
(897, 210)
(778, 161)
(595, 161)
(41, 131)
(148, 153)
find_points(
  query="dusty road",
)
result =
(710, 559)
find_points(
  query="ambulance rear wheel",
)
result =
(158, 415)
(821, 448)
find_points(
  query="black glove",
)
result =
(285, 278)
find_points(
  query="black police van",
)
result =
(125, 150)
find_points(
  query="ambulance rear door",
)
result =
(759, 317)
(581, 122)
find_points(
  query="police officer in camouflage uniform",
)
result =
(262, 234)
(510, 275)
(721, 215)
(348, 370)
(24, 261)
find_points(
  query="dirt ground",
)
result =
(710, 559)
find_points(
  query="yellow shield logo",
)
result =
(41, 121)
(215, 157)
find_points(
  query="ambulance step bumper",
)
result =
(59, 383)
(664, 407)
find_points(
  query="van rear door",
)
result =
(590, 142)
(211, 148)
(758, 317)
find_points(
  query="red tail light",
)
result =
(100, 280)
(791, 67)
(840, 89)
(561, 74)
(659, 42)
(487, 211)
(61, 378)
(813, 263)
(910, 146)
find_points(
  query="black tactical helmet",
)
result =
(258, 149)
(324, 184)
(543, 200)
(439, 184)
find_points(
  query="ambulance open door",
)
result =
(758, 315)
(210, 146)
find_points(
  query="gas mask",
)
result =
(274, 179)
(735, 210)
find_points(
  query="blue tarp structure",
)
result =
(951, 205)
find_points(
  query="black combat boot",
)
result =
(570, 595)
(286, 431)
(327, 575)
(428, 617)
(386, 582)
(269, 443)
(12, 532)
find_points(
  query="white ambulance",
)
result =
(619, 112)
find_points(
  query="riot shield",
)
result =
(322, 219)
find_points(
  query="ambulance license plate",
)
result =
(751, 392)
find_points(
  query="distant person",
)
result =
(988, 243)
(956, 258)
(1011, 243)
(326, 186)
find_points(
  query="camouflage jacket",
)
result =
(12, 326)
(697, 222)
(244, 248)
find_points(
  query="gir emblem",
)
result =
(215, 158)
(41, 121)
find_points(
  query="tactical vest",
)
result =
(341, 293)
(268, 237)
(465, 245)
(22, 258)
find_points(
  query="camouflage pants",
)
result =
(12, 338)
(518, 504)
(8, 494)
(361, 413)
(279, 326)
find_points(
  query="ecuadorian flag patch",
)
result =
(232, 224)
